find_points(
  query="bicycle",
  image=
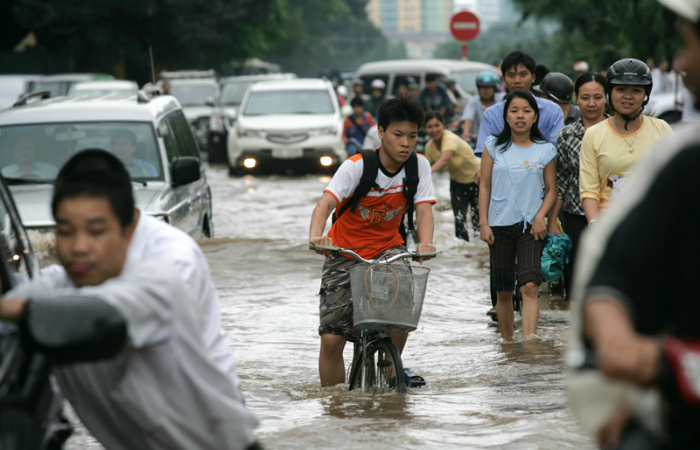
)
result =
(386, 298)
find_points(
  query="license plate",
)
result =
(287, 153)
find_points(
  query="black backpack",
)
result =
(370, 161)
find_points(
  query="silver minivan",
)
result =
(396, 72)
(151, 136)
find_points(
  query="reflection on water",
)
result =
(481, 392)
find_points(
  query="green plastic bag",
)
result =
(554, 256)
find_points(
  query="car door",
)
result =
(193, 199)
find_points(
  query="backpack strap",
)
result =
(370, 168)
(410, 187)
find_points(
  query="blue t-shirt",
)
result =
(550, 122)
(516, 181)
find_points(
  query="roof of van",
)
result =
(422, 64)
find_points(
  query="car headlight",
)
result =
(324, 131)
(247, 133)
(216, 123)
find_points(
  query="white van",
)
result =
(394, 73)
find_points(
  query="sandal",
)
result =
(413, 379)
(493, 314)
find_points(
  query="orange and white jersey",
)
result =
(374, 226)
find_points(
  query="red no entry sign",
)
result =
(464, 26)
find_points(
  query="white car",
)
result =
(102, 88)
(288, 125)
(667, 106)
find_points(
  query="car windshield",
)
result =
(232, 93)
(57, 88)
(33, 154)
(309, 101)
(467, 79)
(192, 94)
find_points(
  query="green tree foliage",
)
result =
(115, 35)
(603, 31)
(330, 34)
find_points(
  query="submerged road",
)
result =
(481, 393)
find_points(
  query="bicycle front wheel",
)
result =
(383, 369)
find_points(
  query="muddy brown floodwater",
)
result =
(481, 393)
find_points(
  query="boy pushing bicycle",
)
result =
(370, 223)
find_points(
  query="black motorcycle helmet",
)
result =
(557, 87)
(629, 71)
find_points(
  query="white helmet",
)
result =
(581, 66)
(342, 90)
(687, 9)
(378, 84)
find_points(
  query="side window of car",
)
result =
(186, 143)
(168, 139)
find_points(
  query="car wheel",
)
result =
(206, 228)
(234, 171)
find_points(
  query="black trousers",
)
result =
(573, 226)
(463, 196)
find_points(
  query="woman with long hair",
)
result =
(589, 91)
(611, 148)
(446, 150)
(515, 165)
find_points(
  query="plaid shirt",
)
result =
(568, 149)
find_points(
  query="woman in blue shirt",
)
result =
(515, 165)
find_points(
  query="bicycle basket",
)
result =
(387, 297)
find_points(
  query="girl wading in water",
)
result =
(515, 165)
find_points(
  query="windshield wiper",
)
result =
(11, 180)
(142, 183)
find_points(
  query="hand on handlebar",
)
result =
(425, 247)
(324, 241)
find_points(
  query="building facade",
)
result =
(420, 24)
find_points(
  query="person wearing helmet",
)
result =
(488, 85)
(611, 149)
(627, 319)
(590, 95)
(342, 93)
(372, 105)
(559, 88)
(541, 71)
(580, 68)
(358, 90)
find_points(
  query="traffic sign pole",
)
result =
(464, 26)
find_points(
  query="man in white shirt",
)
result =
(154, 238)
(162, 389)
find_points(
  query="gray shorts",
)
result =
(336, 296)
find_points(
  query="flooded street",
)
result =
(481, 392)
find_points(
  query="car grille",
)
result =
(287, 137)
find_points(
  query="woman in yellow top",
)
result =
(447, 150)
(611, 148)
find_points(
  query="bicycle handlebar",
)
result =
(355, 256)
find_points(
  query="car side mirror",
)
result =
(209, 101)
(186, 170)
(346, 110)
